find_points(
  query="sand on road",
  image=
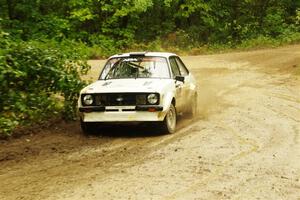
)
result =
(245, 143)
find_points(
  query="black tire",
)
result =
(193, 110)
(169, 123)
(87, 128)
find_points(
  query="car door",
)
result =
(186, 88)
(178, 84)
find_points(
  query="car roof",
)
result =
(158, 54)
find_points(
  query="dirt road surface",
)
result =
(245, 143)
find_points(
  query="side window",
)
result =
(182, 68)
(174, 67)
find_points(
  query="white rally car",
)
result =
(139, 87)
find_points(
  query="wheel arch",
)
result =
(168, 99)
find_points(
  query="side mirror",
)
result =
(179, 78)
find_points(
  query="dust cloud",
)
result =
(208, 101)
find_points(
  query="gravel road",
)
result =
(245, 143)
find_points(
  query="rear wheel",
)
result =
(169, 123)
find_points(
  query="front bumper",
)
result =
(122, 113)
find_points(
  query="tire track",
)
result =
(285, 97)
(254, 147)
(282, 113)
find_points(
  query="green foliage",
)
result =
(35, 78)
(114, 25)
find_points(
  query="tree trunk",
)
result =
(10, 9)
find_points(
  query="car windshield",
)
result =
(136, 67)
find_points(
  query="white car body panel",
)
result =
(168, 88)
(130, 85)
(128, 116)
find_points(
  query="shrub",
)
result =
(37, 81)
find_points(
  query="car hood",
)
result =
(128, 85)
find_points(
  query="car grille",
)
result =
(120, 99)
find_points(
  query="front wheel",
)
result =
(169, 123)
(87, 127)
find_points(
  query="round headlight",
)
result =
(152, 98)
(88, 99)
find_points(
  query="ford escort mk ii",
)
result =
(139, 87)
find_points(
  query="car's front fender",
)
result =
(166, 101)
